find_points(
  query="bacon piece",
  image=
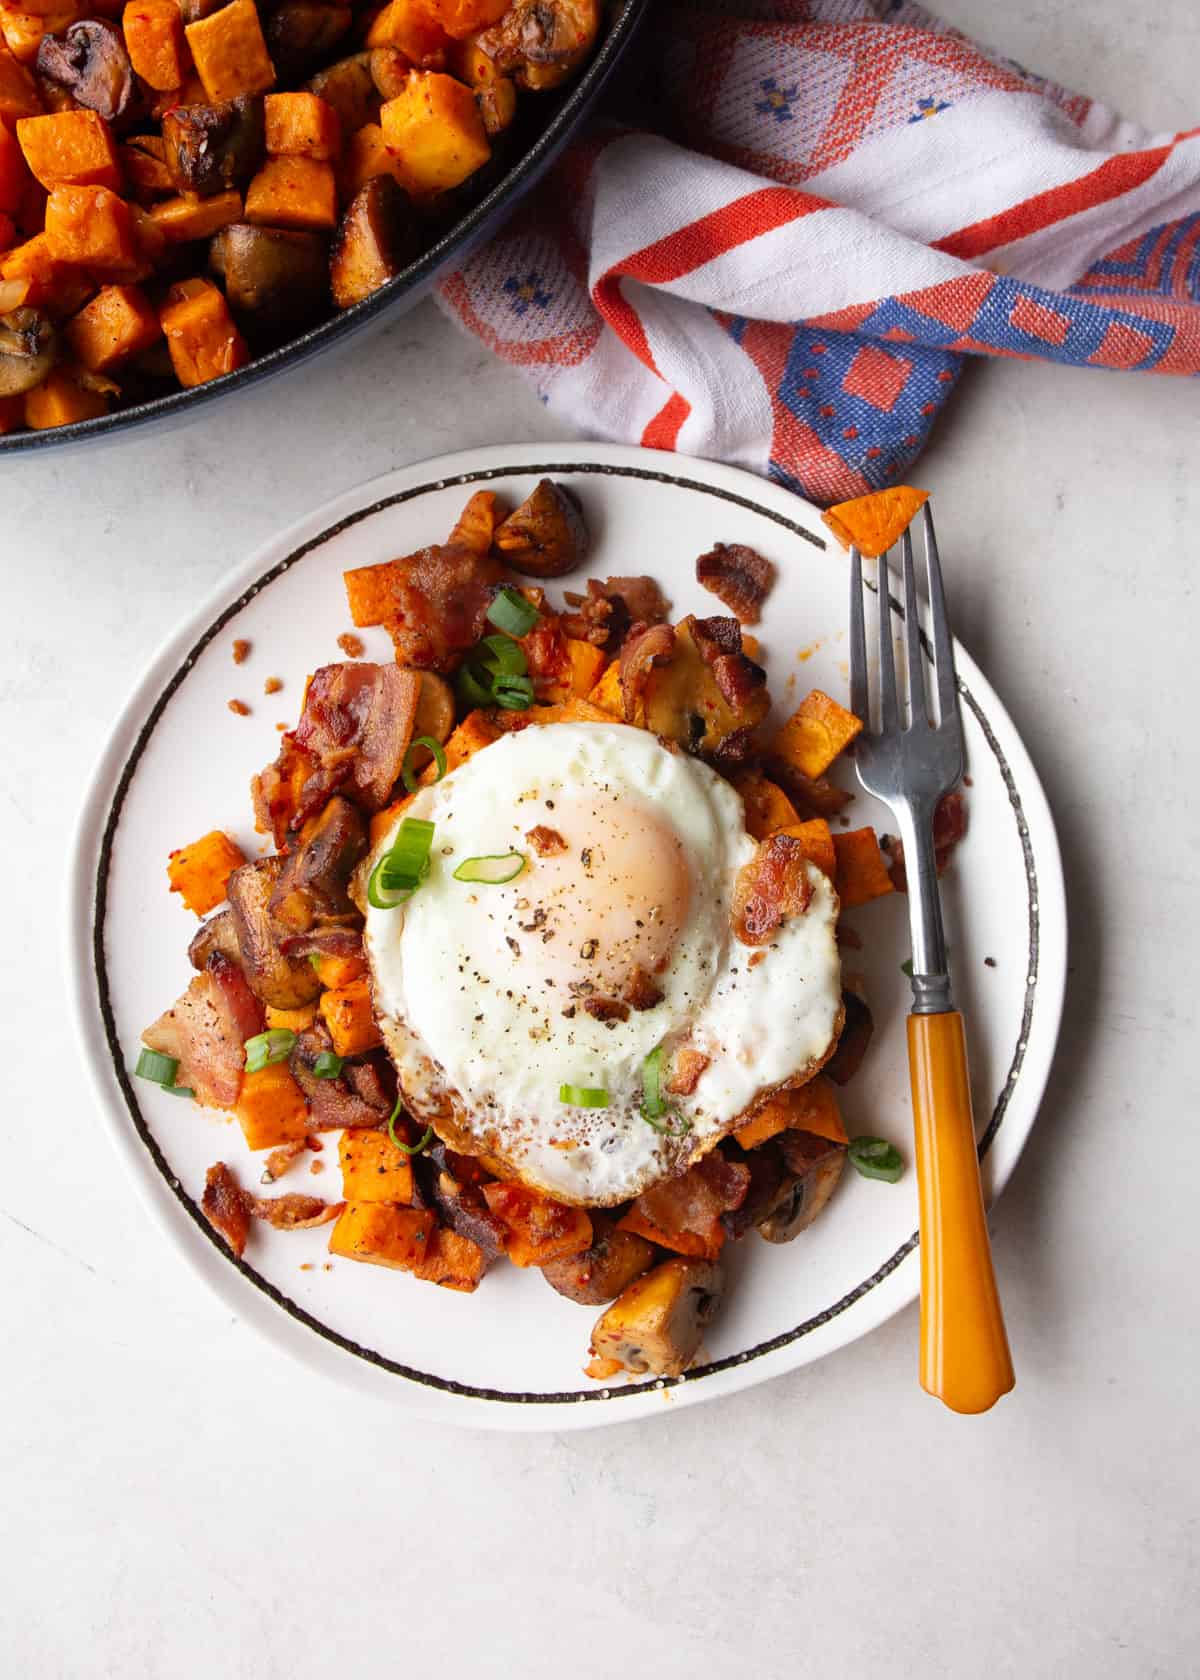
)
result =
(685, 1072)
(774, 885)
(356, 725)
(546, 842)
(440, 598)
(281, 1160)
(645, 647)
(460, 1203)
(334, 1103)
(604, 615)
(206, 1029)
(343, 942)
(606, 1009)
(719, 641)
(545, 650)
(685, 1213)
(739, 577)
(949, 828)
(226, 1206)
(293, 1212)
(642, 991)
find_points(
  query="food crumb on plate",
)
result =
(989, 962)
(351, 645)
(272, 685)
(241, 650)
(239, 708)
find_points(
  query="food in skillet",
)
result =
(550, 938)
(186, 183)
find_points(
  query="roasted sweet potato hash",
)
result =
(289, 1021)
(187, 183)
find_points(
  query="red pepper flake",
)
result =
(239, 708)
(272, 685)
(351, 645)
(241, 651)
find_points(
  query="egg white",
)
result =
(480, 1014)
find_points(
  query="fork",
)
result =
(965, 1360)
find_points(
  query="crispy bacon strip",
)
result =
(226, 1206)
(345, 942)
(687, 1210)
(546, 842)
(440, 600)
(606, 1009)
(282, 1160)
(335, 1103)
(739, 577)
(206, 1029)
(292, 1212)
(719, 642)
(361, 714)
(685, 1073)
(774, 885)
(604, 615)
(645, 647)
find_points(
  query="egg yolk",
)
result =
(605, 894)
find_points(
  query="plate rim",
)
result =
(84, 953)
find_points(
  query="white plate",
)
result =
(179, 763)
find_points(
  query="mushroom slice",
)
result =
(89, 61)
(814, 1166)
(28, 344)
(657, 1323)
(545, 536)
(602, 1271)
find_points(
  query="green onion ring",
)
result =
(266, 1048)
(504, 656)
(157, 1068)
(406, 1148)
(583, 1096)
(491, 871)
(327, 1065)
(408, 775)
(876, 1158)
(511, 612)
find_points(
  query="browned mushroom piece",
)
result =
(28, 347)
(390, 71)
(89, 62)
(300, 34)
(814, 1166)
(602, 1271)
(278, 980)
(657, 1323)
(545, 536)
(376, 238)
(434, 719)
(312, 885)
(540, 42)
(350, 88)
(213, 148)
(216, 934)
(276, 279)
(852, 1045)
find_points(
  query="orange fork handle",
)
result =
(965, 1360)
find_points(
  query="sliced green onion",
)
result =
(504, 656)
(327, 1065)
(314, 958)
(401, 870)
(515, 694)
(473, 690)
(906, 969)
(510, 611)
(491, 871)
(179, 1090)
(406, 1148)
(653, 1101)
(408, 775)
(265, 1048)
(676, 1124)
(583, 1096)
(876, 1158)
(158, 1069)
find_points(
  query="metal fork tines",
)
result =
(910, 766)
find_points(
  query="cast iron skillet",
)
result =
(566, 115)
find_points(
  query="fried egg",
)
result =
(614, 939)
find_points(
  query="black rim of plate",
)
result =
(191, 1207)
(340, 327)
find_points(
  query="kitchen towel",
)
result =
(820, 208)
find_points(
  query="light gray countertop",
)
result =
(179, 1499)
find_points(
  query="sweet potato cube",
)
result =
(587, 662)
(294, 1020)
(271, 1108)
(230, 52)
(154, 40)
(816, 840)
(302, 125)
(407, 24)
(461, 18)
(118, 323)
(698, 1245)
(24, 31)
(373, 1169)
(435, 133)
(338, 971)
(19, 96)
(365, 157)
(767, 806)
(33, 263)
(200, 873)
(807, 1108)
(14, 172)
(293, 192)
(202, 338)
(90, 227)
(607, 692)
(60, 401)
(347, 1014)
(817, 731)
(371, 592)
(144, 165)
(184, 217)
(861, 873)
(383, 1234)
(539, 1228)
(70, 148)
(873, 523)
(453, 1261)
